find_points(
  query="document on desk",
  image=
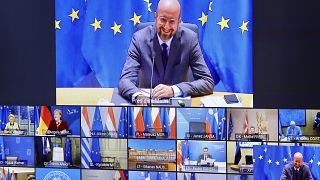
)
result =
(217, 101)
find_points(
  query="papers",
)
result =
(210, 161)
(218, 101)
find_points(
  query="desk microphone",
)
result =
(151, 79)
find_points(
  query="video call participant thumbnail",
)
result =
(293, 130)
(57, 125)
(173, 49)
(297, 170)
(11, 125)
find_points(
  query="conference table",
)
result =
(110, 96)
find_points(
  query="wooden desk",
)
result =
(95, 96)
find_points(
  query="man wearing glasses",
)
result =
(162, 54)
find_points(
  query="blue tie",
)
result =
(164, 55)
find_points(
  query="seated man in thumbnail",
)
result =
(57, 125)
(296, 170)
(205, 157)
(253, 132)
(11, 125)
(162, 54)
(293, 130)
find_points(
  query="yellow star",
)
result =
(57, 24)
(203, 18)
(210, 4)
(269, 161)
(254, 160)
(260, 157)
(244, 27)
(135, 19)
(311, 161)
(74, 14)
(223, 23)
(149, 7)
(147, 1)
(265, 150)
(277, 163)
(96, 24)
(285, 160)
(318, 163)
(116, 28)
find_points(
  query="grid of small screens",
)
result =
(160, 143)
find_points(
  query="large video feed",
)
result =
(252, 124)
(134, 53)
(201, 156)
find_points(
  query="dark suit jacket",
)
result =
(288, 172)
(41, 158)
(202, 157)
(184, 52)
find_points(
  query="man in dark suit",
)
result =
(167, 50)
(43, 150)
(205, 156)
(296, 170)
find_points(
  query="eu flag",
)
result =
(2, 155)
(165, 121)
(147, 118)
(238, 155)
(36, 116)
(71, 65)
(122, 127)
(226, 43)
(95, 146)
(131, 123)
(97, 122)
(230, 130)
(107, 33)
(222, 124)
(5, 115)
(185, 151)
(68, 150)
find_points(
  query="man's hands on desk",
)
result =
(159, 92)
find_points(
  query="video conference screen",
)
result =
(156, 90)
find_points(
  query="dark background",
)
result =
(286, 47)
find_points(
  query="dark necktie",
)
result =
(297, 174)
(164, 55)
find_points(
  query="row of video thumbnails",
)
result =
(284, 125)
(155, 159)
(154, 155)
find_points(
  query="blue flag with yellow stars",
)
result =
(71, 66)
(93, 37)
(269, 161)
